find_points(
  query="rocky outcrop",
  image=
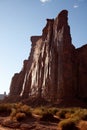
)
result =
(55, 69)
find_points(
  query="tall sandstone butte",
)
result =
(55, 69)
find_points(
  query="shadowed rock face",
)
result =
(82, 71)
(55, 69)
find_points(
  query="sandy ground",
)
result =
(5, 128)
(34, 125)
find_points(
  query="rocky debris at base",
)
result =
(10, 123)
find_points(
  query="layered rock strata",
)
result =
(55, 69)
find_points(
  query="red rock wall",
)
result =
(82, 71)
(55, 69)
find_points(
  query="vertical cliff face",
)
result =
(82, 71)
(52, 69)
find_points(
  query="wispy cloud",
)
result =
(81, 0)
(43, 1)
(78, 3)
(75, 6)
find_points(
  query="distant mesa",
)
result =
(2, 96)
(55, 72)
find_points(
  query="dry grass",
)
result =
(67, 117)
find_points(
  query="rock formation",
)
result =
(55, 69)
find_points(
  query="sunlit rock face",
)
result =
(54, 68)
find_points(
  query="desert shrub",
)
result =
(72, 110)
(47, 116)
(20, 111)
(5, 109)
(26, 109)
(53, 110)
(81, 114)
(39, 110)
(84, 114)
(69, 113)
(67, 124)
(84, 117)
(13, 114)
(61, 113)
(20, 116)
(17, 105)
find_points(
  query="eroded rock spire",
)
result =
(51, 69)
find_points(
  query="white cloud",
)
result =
(78, 3)
(43, 1)
(75, 6)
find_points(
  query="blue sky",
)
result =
(20, 19)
